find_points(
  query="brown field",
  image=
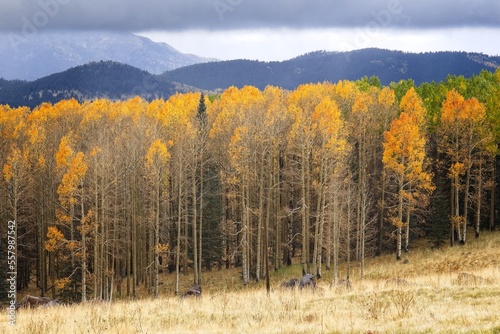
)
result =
(447, 290)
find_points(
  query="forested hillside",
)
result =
(104, 79)
(109, 194)
(389, 66)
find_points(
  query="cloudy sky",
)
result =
(272, 29)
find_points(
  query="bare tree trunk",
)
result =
(336, 237)
(466, 204)
(305, 220)
(364, 208)
(317, 232)
(348, 242)
(479, 198)
(260, 223)
(195, 229)
(84, 255)
(134, 243)
(156, 264)
(200, 247)
(493, 194)
(382, 216)
(179, 222)
(407, 235)
(399, 223)
(456, 206)
(244, 243)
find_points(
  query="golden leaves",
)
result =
(387, 97)
(54, 239)
(72, 178)
(158, 154)
(64, 153)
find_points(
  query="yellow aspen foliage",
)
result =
(72, 179)
(95, 110)
(237, 151)
(10, 166)
(158, 154)
(452, 107)
(12, 122)
(62, 283)
(327, 116)
(62, 217)
(64, 153)
(362, 102)
(387, 97)
(17, 161)
(346, 90)
(473, 110)
(54, 239)
(412, 104)
(403, 147)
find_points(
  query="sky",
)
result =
(272, 29)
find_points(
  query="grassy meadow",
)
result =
(446, 290)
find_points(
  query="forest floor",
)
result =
(445, 290)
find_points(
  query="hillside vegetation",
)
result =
(107, 195)
(446, 290)
(389, 66)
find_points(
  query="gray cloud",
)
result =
(174, 15)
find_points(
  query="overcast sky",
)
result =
(272, 29)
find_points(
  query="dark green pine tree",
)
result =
(202, 111)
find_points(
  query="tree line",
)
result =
(107, 195)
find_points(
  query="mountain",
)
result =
(321, 66)
(112, 80)
(104, 79)
(52, 52)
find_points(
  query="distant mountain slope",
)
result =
(334, 66)
(94, 80)
(52, 52)
(112, 80)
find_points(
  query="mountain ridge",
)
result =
(319, 66)
(113, 80)
(103, 79)
(52, 52)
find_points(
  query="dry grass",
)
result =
(440, 291)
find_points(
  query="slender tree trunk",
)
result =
(364, 208)
(134, 240)
(493, 193)
(319, 272)
(407, 234)
(266, 240)
(457, 208)
(179, 222)
(260, 223)
(382, 216)
(348, 241)
(157, 240)
(316, 231)
(399, 223)
(276, 185)
(479, 198)
(200, 247)
(305, 225)
(195, 229)
(336, 237)
(72, 238)
(84, 254)
(466, 204)
(245, 232)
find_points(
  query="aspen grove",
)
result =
(110, 195)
